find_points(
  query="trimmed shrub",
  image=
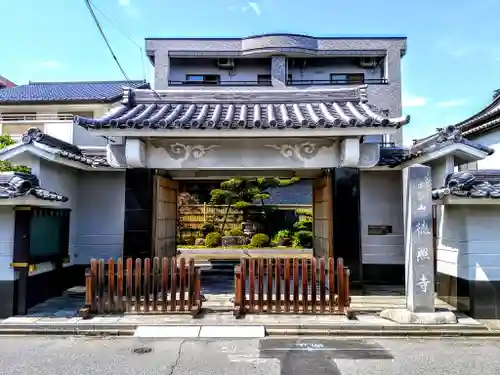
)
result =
(303, 238)
(207, 228)
(235, 232)
(260, 240)
(303, 225)
(303, 212)
(213, 239)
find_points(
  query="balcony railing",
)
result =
(31, 117)
(220, 83)
(313, 82)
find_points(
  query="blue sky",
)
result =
(450, 70)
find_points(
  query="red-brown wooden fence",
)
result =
(284, 285)
(169, 285)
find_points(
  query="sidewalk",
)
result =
(314, 325)
(59, 316)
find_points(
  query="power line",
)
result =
(125, 35)
(89, 6)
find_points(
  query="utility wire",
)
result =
(89, 6)
(125, 35)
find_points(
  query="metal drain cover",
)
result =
(142, 350)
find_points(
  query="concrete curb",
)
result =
(371, 327)
(382, 333)
(271, 330)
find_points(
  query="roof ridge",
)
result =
(70, 82)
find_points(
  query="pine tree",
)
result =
(241, 193)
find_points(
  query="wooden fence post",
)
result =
(340, 285)
(237, 292)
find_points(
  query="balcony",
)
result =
(228, 83)
(16, 124)
(319, 82)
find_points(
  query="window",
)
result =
(264, 79)
(347, 78)
(204, 79)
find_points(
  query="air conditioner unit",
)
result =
(368, 62)
(225, 63)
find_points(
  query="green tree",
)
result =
(6, 166)
(241, 193)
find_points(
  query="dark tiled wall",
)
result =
(138, 212)
(346, 219)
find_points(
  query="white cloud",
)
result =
(250, 5)
(124, 3)
(255, 7)
(51, 64)
(413, 101)
(452, 103)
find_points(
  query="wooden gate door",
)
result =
(323, 216)
(165, 214)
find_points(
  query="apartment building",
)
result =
(286, 62)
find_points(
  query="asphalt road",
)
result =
(347, 356)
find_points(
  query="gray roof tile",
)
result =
(16, 184)
(244, 109)
(64, 149)
(471, 184)
(104, 91)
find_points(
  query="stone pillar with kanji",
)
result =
(419, 255)
(419, 252)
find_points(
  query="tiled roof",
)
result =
(471, 184)
(64, 149)
(486, 119)
(244, 109)
(16, 184)
(392, 156)
(36, 92)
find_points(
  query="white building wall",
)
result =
(492, 140)
(6, 243)
(381, 203)
(100, 216)
(468, 241)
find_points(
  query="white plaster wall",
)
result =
(440, 168)
(492, 140)
(28, 160)
(438, 173)
(381, 203)
(468, 241)
(97, 201)
(82, 137)
(6, 242)
(100, 216)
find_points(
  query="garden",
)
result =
(236, 216)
